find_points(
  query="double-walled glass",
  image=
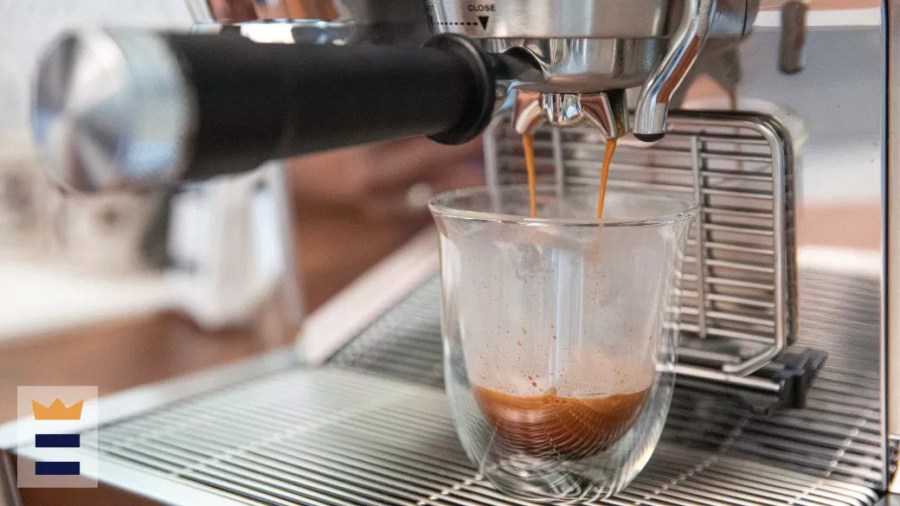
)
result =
(559, 333)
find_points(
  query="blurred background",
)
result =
(124, 289)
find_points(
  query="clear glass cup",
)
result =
(559, 333)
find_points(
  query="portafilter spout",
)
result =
(607, 111)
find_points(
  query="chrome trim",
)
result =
(776, 136)
(9, 493)
(589, 46)
(112, 110)
(606, 111)
(891, 282)
(531, 19)
(653, 103)
(583, 65)
(287, 31)
(700, 248)
(135, 479)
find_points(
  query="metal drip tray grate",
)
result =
(404, 342)
(373, 428)
(838, 315)
(340, 437)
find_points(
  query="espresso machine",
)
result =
(787, 389)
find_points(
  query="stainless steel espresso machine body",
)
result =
(590, 52)
(771, 114)
(578, 65)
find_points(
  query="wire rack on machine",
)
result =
(738, 307)
(374, 426)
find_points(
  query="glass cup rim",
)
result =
(441, 205)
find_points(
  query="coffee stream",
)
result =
(528, 146)
(604, 175)
(549, 423)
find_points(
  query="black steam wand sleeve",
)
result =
(255, 102)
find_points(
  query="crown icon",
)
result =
(57, 410)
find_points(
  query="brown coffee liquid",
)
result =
(548, 424)
(528, 146)
(604, 175)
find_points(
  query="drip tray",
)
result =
(373, 426)
(335, 436)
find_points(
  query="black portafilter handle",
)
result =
(196, 106)
(261, 101)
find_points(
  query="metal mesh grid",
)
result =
(838, 314)
(344, 435)
(738, 167)
(405, 342)
(338, 437)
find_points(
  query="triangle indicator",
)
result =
(484, 21)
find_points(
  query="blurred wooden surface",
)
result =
(116, 355)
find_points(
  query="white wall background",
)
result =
(29, 25)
